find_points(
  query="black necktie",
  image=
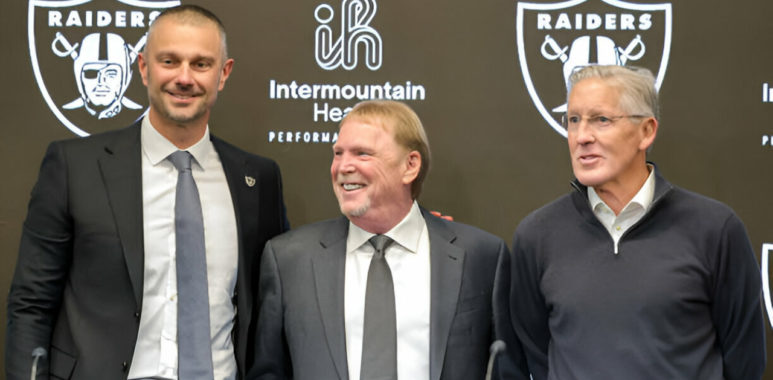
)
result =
(379, 340)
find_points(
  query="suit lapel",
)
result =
(236, 173)
(328, 269)
(446, 265)
(234, 168)
(121, 169)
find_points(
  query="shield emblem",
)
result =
(554, 39)
(83, 53)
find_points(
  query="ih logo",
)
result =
(355, 33)
(82, 52)
(555, 39)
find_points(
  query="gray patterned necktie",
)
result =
(194, 346)
(379, 340)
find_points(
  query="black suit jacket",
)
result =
(77, 288)
(301, 333)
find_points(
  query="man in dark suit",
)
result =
(437, 304)
(98, 276)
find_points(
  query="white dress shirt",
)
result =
(155, 353)
(616, 225)
(409, 261)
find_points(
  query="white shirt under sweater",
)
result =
(155, 353)
(409, 261)
(616, 225)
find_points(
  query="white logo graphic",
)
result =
(767, 93)
(356, 32)
(103, 71)
(82, 52)
(578, 33)
(764, 257)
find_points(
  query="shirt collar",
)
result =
(406, 233)
(643, 197)
(157, 148)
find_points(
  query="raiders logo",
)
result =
(555, 39)
(82, 54)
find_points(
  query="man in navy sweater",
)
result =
(629, 276)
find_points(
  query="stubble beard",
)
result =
(179, 117)
(357, 212)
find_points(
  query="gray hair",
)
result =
(636, 84)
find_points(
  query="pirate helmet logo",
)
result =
(86, 49)
(578, 33)
(102, 69)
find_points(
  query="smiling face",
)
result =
(183, 67)
(372, 175)
(610, 156)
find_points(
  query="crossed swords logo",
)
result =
(552, 51)
(63, 48)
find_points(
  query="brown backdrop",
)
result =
(495, 157)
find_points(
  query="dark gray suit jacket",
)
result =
(77, 289)
(301, 319)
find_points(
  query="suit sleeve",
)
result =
(272, 359)
(736, 310)
(512, 363)
(528, 310)
(45, 254)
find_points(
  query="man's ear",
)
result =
(143, 66)
(412, 167)
(225, 72)
(649, 132)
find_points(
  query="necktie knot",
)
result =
(380, 243)
(181, 160)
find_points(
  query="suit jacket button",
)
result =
(125, 366)
(137, 315)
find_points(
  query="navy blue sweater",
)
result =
(681, 300)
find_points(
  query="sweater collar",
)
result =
(580, 196)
